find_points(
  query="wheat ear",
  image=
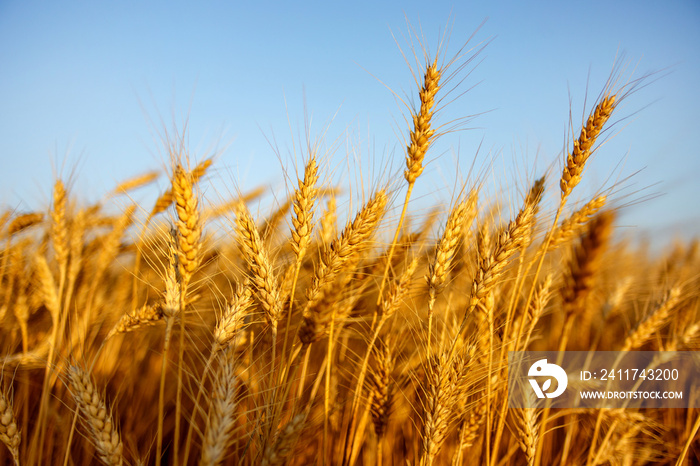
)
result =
(189, 227)
(166, 199)
(135, 182)
(147, 315)
(304, 199)
(352, 241)
(22, 222)
(221, 420)
(421, 137)
(262, 276)
(381, 389)
(189, 244)
(59, 225)
(444, 252)
(527, 429)
(576, 159)
(9, 432)
(445, 381)
(47, 286)
(277, 453)
(446, 247)
(232, 322)
(586, 262)
(103, 431)
(493, 263)
(572, 225)
(653, 322)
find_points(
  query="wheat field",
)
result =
(337, 326)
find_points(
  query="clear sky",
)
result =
(85, 86)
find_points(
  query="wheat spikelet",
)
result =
(221, 420)
(9, 432)
(447, 245)
(350, 243)
(262, 273)
(189, 227)
(103, 432)
(653, 322)
(22, 222)
(576, 160)
(148, 314)
(277, 453)
(422, 135)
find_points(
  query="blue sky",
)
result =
(86, 86)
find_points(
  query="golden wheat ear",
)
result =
(9, 432)
(334, 258)
(262, 274)
(189, 227)
(283, 446)
(222, 415)
(147, 315)
(103, 431)
(460, 218)
(583, 146)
